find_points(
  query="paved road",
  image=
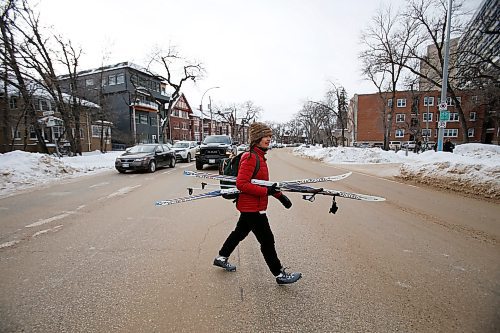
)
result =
(95, 255)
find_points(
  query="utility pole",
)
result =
(444, 115)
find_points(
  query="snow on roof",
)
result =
(38, 91)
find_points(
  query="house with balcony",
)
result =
(130, 97)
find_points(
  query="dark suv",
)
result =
(213, 149)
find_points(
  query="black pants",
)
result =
(259, 225)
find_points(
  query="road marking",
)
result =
(99, 184)
(8, 244)
(50, 219)
(122, 191)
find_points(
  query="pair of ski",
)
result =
(288, 186)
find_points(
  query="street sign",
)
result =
(443, 106)
(47, 113)
(444, 115)
(441, 124)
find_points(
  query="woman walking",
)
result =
(252, 204)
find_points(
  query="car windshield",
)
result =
(217, 139)
(141, 149)
(181, 145)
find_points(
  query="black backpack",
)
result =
(229, 167)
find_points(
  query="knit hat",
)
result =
(257, 131)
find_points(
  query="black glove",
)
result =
(271, 190)
(285, 201)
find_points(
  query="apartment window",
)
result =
(104, 81)
(16, 134)
(400, 117)
(44, 105)
(97, 129)
(111, 80)
(426, 132)
(454, 116)
(472, 116)
(389, 102)
(152, 121)
(427, 116)
(428, 101)
(401, 103)
(13, 102)
(470, 132)
(32, 133)
(400, 133)
(58, 130)
(475, 99)
(450, 132)
(143, 119)
(89, 82)
(184, 126)
(120, 78)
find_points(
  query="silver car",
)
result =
(185, 150)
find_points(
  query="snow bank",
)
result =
(471, 168)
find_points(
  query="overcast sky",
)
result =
(277, 53)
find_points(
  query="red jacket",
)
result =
(253, 198)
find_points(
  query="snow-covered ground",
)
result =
(471, 168)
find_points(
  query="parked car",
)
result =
(410, 145)
(214, 149)
(243, 147)
(395, 145)
(147, 157)
(185, 150)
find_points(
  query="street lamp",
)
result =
(201, 110)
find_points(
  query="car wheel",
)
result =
(152, 166)
(172, 162)
(188, 159)
(199, 166)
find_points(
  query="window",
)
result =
(427, 117)
(152, 121)
(97, 129)
(472, 116)
(428, 101)
(450, 133)
(32, 133)
(58, 131)
(475, 99)
(111, 80)
(401, 102)
(44, 105)
(89, 82)
(470, 132)
(13, 102)
(400, 117)
(120, 78)
(104, 81)
(389, 102)
(143, 119)
(400, 133)
(16, 134)
(426, 132)
(453, 116)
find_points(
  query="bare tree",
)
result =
(429, 16)
(385, 55)
(178, 71)
(11, 59)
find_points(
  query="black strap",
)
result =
(257, 165)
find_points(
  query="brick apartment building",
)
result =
(415, 117)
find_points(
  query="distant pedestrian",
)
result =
(448, 146)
